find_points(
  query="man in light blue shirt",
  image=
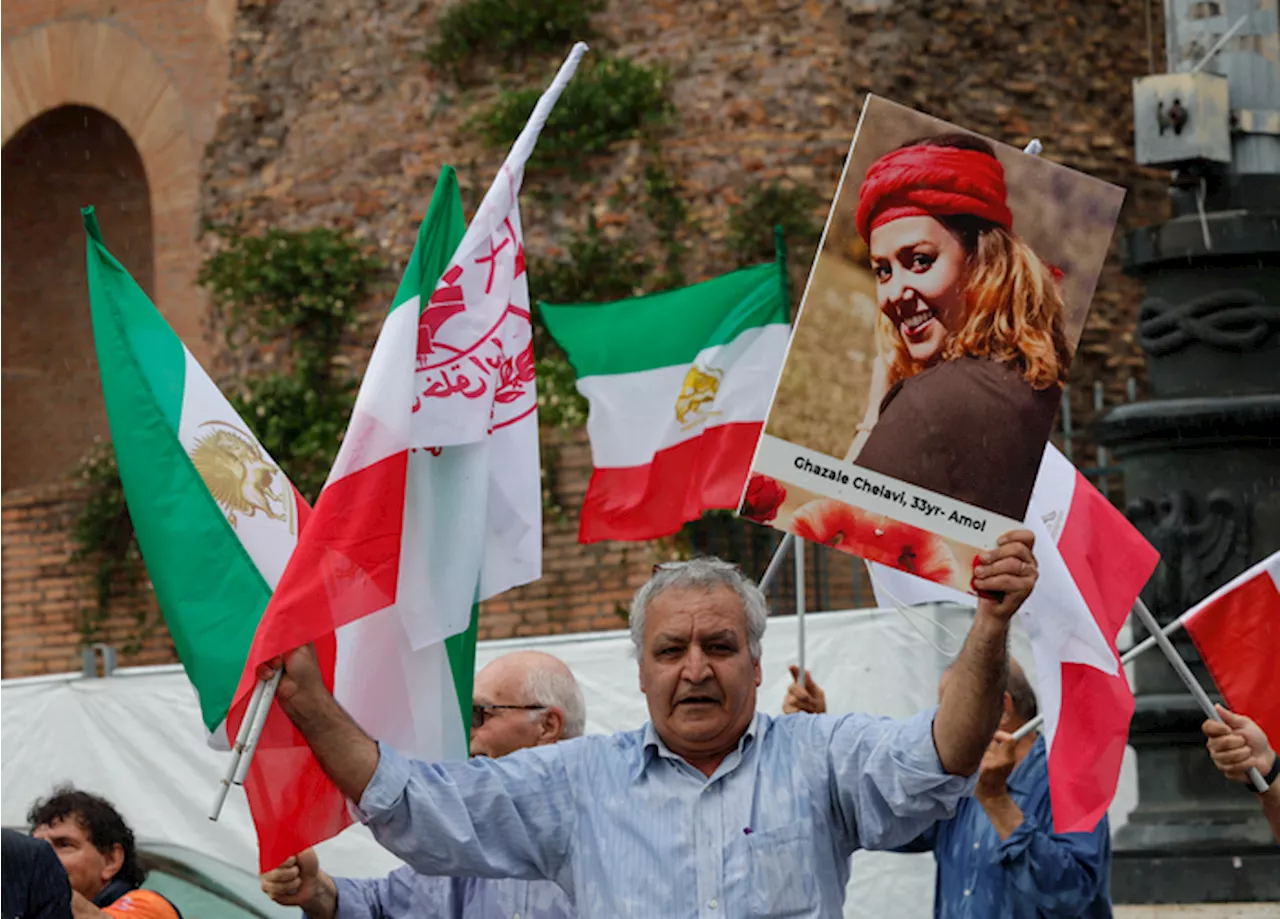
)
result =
(520, 700)
(711, 809)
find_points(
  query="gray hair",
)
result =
(706, 574)
(556, 686)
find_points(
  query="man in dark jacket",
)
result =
(34, 883)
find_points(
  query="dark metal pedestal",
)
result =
(1201, 464)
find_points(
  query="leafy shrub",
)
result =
(765, 205)
(608, 100)
(507, 29)
(298, 292)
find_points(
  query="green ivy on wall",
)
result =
(609, 99)
(507, 31)
(103, 537)
(765, 205)
(291, 298)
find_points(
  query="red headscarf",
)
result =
(932, 182)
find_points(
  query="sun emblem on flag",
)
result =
(240, 477)
(697, 396)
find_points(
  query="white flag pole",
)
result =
(775, 563)
(255, 730)
(800, 605)
(1188, 678)
(1160, 636)
(237, 751)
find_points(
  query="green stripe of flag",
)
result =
(666, 329)
(210, 592)
(438, 238)
(141, 327)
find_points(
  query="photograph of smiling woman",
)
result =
(971, 334)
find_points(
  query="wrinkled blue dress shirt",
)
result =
(405, 894)
(628, 828)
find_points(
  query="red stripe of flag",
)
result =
(656, 499)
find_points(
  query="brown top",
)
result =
(971, 429)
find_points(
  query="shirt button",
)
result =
(967, 891)
(977, 845)
(712, 904)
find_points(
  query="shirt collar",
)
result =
(652, 745)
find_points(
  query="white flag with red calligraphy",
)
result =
(434, 503)
(474, 389)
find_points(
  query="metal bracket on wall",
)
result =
(1255, 121)
(89, 660)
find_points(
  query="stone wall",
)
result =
(333, 118)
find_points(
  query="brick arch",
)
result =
(74, 62)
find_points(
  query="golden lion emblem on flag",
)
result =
(238, 476)
(697, 394)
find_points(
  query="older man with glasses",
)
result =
(524, 699)
(712, 808)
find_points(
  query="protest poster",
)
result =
(929, 355)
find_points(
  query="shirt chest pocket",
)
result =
(781, 871)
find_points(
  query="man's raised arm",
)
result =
(971, 703)
(512, 817)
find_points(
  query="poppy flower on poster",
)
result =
(876, 538)
(763, 498)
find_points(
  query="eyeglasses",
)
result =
(480, 713)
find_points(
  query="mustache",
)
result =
(700, 694)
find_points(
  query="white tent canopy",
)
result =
(137, 739)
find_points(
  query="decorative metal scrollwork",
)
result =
(1231, 320)
(1202, 544)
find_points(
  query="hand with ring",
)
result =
(1008, 571)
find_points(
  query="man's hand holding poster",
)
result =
(931, 348)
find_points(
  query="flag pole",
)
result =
(259, 722)
(1188, 678)
(800, 604)
(1145, 645)
(242, 738)
(780, 253)
(1160, 636)
(775, 563)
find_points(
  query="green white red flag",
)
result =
(434, 502)
(215, 516)
(679, 384)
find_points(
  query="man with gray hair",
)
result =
(523, 699)
(712, 808)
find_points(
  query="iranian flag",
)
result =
(433, 504)
(679, 384)
(1093, 564)
(216, 518)
(1236, 629)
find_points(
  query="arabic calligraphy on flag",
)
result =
(475, 346)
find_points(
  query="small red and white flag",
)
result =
(1236, 629)
(1093, 564)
